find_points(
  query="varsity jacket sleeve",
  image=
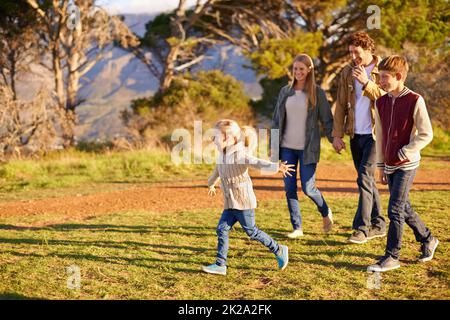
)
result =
(422, 136)
(214, 178)
(378, 141)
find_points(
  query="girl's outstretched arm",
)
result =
(214, 178)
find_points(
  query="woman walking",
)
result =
(300, 106)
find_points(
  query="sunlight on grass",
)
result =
(146, 255)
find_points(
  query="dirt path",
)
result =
(166, 197)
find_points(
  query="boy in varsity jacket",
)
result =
(403, 128)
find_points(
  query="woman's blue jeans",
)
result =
(308, 182)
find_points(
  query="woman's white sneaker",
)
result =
(297, 233)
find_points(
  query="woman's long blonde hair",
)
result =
(310, 82)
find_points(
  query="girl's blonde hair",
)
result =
(310, 82)
(229, 127)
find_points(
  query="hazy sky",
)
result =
(140, 6)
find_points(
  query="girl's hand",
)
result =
(212, 191)
(286, 168)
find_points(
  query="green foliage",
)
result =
(271, 89)
(205, 95)
(94, 146)
(423, 22)
(440, 146)
(74, 168)
(274, 57)
(157, 29)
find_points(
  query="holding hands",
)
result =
(338, 144)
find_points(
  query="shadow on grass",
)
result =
(105, 244)
(115, 228)
(16, 296)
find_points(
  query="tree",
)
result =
(205, 95)
(176, 42)
(18, 42)
(27, 127)
(75, 35)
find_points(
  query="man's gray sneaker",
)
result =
(428, 248)
(358, 237)
(386, 263)
(375, 233)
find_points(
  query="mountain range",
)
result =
(118, 78)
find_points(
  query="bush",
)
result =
(205, 95)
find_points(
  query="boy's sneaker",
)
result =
(428, 249)
(297, 233)
(386, 263)
(283, 257)
(215, 269)
(328, 222)
(375, 233)
(358, 237)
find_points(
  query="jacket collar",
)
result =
(404, 92)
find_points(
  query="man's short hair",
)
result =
(394, 64)
(363, 40)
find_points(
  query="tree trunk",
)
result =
(73, 61)
(169, 68)
(12, 74)
(59, 80)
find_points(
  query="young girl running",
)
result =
(239, 199)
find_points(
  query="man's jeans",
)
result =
(368, 213)
(308, 181)
(400, 211)
(247, 220)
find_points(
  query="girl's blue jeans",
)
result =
(247, 220)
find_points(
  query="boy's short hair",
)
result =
(363, 40)
(394, 64)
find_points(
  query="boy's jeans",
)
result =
(400, 211)
(369, 207)
(308, 181)
(247, 220)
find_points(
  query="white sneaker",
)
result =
(297, 233)
(328, 221)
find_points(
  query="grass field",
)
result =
(147, 255)
(158, 255)
(74, 172)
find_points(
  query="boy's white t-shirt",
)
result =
(363, 118)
